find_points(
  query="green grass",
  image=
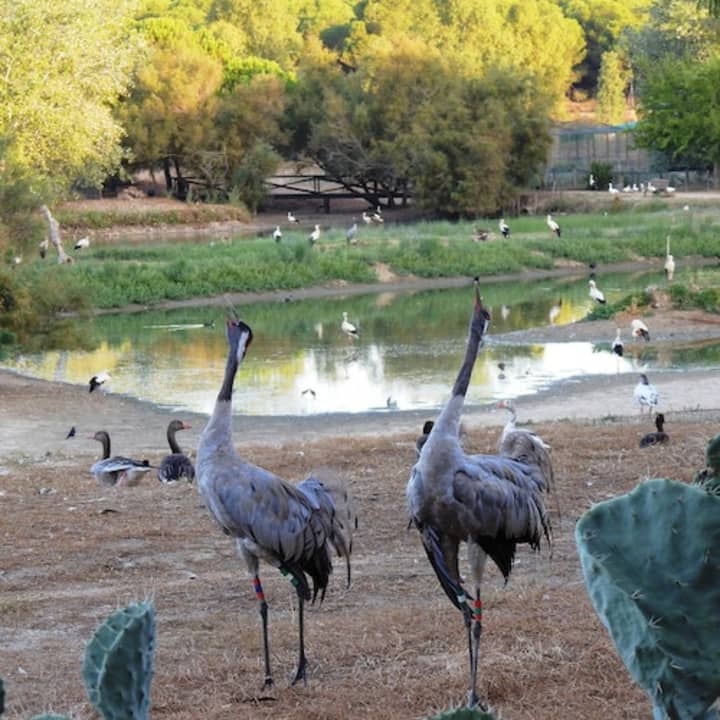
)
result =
(116, 275)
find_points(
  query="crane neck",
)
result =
(450, 416)
(105, 440)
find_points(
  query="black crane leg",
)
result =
(268, 683)
(302, 661)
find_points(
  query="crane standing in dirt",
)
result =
(288, 526)
(491, 502)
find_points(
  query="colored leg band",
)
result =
(477, 609)
(259, 594)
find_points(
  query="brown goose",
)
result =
(177, 465)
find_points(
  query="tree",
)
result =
(611, 89)
(681, 111)
(412, 121)
(63, 66)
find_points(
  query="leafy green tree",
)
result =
(63, 66)
(611, 88)
(169, 113)
(603, 23)
(462, 145)
(681, 111)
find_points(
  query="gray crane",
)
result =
(490, 502)
(177, 465)
(291, 527)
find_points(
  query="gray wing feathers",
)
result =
(503, 498)
(288, 523)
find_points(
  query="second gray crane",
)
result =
(490, 502)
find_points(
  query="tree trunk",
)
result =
(54, 234)
(716, 173)
(168, 175)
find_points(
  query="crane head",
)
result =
(480, 311)
(239, 336)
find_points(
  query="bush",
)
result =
(603, 174)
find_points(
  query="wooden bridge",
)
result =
(323, 187)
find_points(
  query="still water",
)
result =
(409, 348)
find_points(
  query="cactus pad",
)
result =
(651, 562)
(118, 663)
(709, 477)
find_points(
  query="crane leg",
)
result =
(260, 595)
(474, 633)
(302, 660)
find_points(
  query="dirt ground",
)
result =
(391, 646)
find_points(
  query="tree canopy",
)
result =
(62, 68)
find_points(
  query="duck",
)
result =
(656, 438)
(117, 470)
(177, 465)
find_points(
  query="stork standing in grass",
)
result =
(291, 527)
(554, 227)
(504, 228)
(277, 234)
(669, 261)
(82, 243)
(491, 502)
(314, 235)
(595, 293)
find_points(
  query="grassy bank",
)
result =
(114, 275)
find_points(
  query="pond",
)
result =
(406, 356)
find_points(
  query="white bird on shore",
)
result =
(292, 218)
(277, 234)
(98, 380)
(554, 227)
(640, 329)
(617, 344)
(612, 190)
(504, 228)
(669, 261)
(83, 242)
(347, 327)
(366, 218)
(314, 235)
(595, 294)
(646, 394)
(377, 217)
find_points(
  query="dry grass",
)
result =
(390, 647)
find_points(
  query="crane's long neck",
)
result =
(450, 416)
(219, 428)
(172, 440)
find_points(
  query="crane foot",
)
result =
(300, 672)
(268, 683)
(474, 701)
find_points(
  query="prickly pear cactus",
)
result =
(464, 713)
(709, 477)
(651, 562)
(118, 664)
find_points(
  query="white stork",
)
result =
(554, 227)
(640, 329)
(595, 294)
